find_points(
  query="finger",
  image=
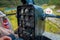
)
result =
(4, 31)
(10, 31)
(6, 38)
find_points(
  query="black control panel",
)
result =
(26, 22)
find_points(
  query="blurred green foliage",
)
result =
(55, 2)
(41, 2)
(15, 3)
(9, 3)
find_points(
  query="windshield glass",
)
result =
(51, 24)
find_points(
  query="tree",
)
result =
(41, 2)
(55, 2)
(9, 3)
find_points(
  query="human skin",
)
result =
(5, 32)
(5, 38)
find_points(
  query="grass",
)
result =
(49, 26)
(13, 21)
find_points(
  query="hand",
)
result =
(6, 31)
(5, 38)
